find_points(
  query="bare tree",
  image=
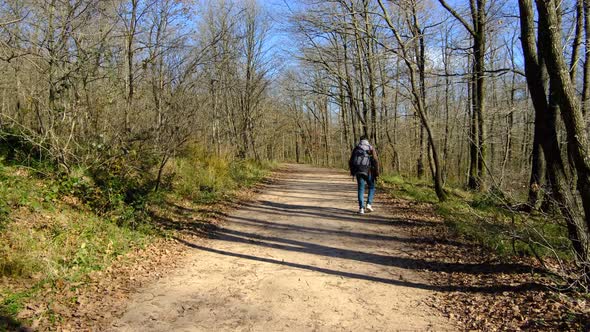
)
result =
(546, 128)
(569, 103)
(417, 88)
(477, 30)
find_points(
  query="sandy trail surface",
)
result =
(299, 258)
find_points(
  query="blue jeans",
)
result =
(370, 181)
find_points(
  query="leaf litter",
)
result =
(483, 292)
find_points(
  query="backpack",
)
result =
(360, 161)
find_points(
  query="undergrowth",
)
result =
(57, 226)
(207, 179)
(488, 219)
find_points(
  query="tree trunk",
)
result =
(586, 84)
(479, 66)
(420, 160)
(478, 150)
(130, 68)
(566, 95)
(418, 103)
(538, 167)
(473, 182)
(546, 120)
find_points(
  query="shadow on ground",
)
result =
(8, 323)
(194, 222)
(499, 288)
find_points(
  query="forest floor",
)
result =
(297, 257)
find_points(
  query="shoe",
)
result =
(369, 208)
(361, 211)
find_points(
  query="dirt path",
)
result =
(298, 259)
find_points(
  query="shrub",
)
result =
(486, 218)
(201, 176)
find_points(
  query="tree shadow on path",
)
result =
(196, 226)
(343, 233)
(355, 255)
(271, 224)
(404, 283)
(320, 212)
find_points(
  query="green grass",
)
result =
(19, 189)
(203, 178)
(54, 227)
(55, 239)
(486, 219)
(44, 239)
(412, 189)
(12, 303)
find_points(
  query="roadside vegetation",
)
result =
(493, 220)
(520, 261)
(57, 228)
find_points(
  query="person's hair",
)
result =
(364, 137)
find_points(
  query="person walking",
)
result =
(364, 165)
